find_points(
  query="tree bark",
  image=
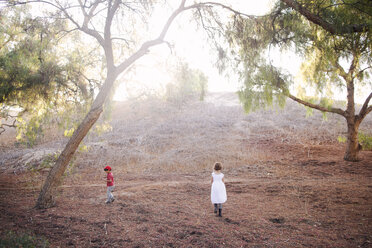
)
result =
(352, 150)
(54, 179)
(47, 195)
(352, 145)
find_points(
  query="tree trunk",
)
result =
(46, 196)
(352, 148)
(54, 179)
(352, 145)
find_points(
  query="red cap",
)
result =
(107, 168)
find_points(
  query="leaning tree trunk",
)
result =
(54, 179)
(47, 194)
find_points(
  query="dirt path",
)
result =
(136, 186)
(332, 209)
(287, 183)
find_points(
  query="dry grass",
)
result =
(153, 135)
(287, 183)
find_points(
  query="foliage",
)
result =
(38, 79)
(341, 139)
(333, 38)
(28, 131)
(23, 240)
(252, 39)
(187, 83)
(102, 128)
(49, 160)
(365, 140)
(69, 132)
(83, 148)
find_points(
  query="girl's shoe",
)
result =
(219, 212)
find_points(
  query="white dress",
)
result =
(218, 190)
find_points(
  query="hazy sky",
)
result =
(192, 46)
(189, 44)
(152, 70)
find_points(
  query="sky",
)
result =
(152, 71)
(191, 46)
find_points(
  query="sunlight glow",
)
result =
(189, 44)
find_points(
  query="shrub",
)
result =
(23, 240)
(341, 139)
(365, 140)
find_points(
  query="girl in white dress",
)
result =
(218, 189)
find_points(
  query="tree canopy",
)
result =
(38, 76)
(187, 83)
(323, 52)
(332, 37)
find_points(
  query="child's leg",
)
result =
(215, 208)
(110, 196)
(220, 209)
(112, 190)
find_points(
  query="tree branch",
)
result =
(160, 39)
(123, 39)
(361, 71)
(107, 32)
(318, 107)
(2, 129)
(354, 64)
(223, 6)
(333, 29)
(340, 70)
(66, 32)
(365, 109)
(87, 17)
(14, 3)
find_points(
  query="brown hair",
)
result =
(217, 166)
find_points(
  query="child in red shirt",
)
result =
(110, 184)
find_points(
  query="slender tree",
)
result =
(86, 16)
(333, 38)
(187, 83)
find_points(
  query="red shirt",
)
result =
(110, 177)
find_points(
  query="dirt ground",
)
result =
(287, 183)
(323, 202)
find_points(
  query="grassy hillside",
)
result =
(286, 180)
(155, 135)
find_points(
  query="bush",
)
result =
(188, 84)
(23, 240)
(365, 140)
(341, 139)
